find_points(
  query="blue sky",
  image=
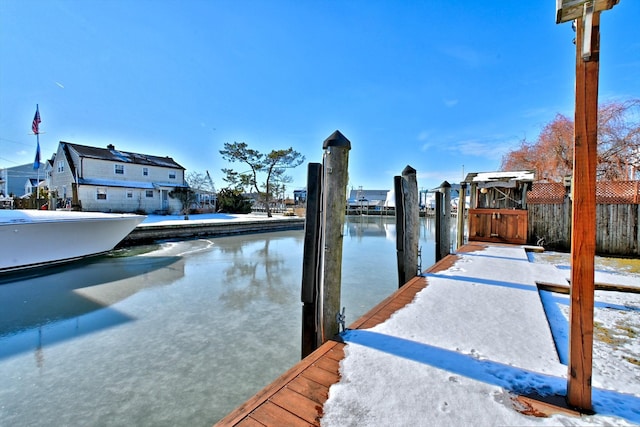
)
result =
(446, 87)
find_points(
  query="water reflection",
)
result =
(66, 292)
(370, 226)
(257, 271)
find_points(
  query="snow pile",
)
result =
(470, 341)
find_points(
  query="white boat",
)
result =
(30, 238)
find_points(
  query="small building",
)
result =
(300, 196)
(13, 180)
(31, 186)
(498, 206)
(363, 201)
(111, 180)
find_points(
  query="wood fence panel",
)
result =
(549, 225)
(617, 229)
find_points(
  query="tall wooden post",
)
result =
(445, 231)
(334, 200)
(311, 261)
(462, 202)
(439, 219)
(407, 224)
(583, 229)
(397, 191)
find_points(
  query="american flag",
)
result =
(36, 122)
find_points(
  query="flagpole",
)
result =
(35, 127)
(38, 175)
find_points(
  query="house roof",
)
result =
(111, 154)
(129, 184)
(526, 176)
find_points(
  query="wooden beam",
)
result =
(583, 236)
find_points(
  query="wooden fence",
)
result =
(617, 214)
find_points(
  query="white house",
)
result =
(31, 185)
(110, 180)
(368, 199)
(13, 180)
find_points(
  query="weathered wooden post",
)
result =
(439, 219)
(407, 224)
(583, 223)
(586, 14)
(445, 224)
(397, 191)
(567, 213)
(462, 201)
(334, 200)
(311, 261)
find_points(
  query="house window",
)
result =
(101, 193)
(172, 175)
(129, 194)
(119, 169)
(60, 166)
(145, 171)
(149, 193)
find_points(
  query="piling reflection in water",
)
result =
(177, 334)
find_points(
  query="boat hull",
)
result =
(32, 238)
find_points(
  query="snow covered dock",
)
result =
(467, 343)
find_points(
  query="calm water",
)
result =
(173, 334)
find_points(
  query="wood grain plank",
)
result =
(301, 406)
(272, 415)
(250, 422)
(321, 376)
(315, 391)
(336, 353)
(328, 364)
(247, 407)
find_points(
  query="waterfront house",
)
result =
(111, 180)
(369, 200)
(14, 180)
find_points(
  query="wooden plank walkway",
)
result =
(297, 397)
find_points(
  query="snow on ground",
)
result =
(200, 218)
(475, 337)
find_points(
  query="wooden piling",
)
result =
(311, 261)
(439, 219)
(334, 200)
(397, 191)
(407, 224)
(445, 223)
(462, 200)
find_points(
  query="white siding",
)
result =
(102, 174)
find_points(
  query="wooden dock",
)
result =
(297, 397)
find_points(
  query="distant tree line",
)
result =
(551, 154)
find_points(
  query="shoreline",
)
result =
(175, 227)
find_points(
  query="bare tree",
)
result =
(551, 155)
(203, 186)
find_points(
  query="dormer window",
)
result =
(119, 169)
